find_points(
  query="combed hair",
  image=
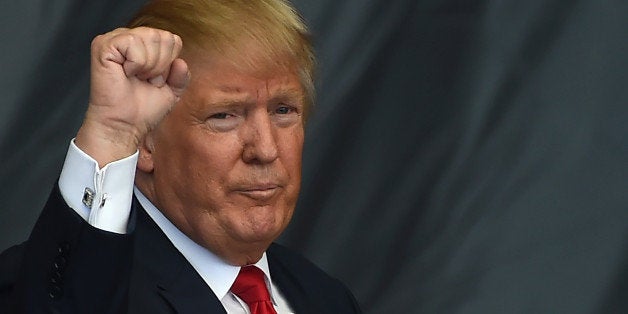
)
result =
(254, 34)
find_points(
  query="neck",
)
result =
(233, 252)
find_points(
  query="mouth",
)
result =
(262, 192)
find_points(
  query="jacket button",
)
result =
(59, 263)
(64, 248)
(56, 276)
(55, 292)
(55, 279)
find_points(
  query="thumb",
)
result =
(179, 76)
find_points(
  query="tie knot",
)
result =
(250, 285)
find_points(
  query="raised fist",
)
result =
(136, 78)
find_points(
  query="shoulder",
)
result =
(290, 260)
(294, 273)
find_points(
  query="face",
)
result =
(225, 164)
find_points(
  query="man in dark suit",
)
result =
(185, 170)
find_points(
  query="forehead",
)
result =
(214, 78)
(244, 56)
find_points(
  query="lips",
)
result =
(259, 192)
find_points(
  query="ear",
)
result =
(145, 160)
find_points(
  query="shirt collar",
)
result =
(217, 274)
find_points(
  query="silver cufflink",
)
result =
(88, 197)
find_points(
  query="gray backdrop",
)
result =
(464, 156)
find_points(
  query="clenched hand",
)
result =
(136, 78)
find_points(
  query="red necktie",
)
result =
(251, 287)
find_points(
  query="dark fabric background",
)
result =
(464, 156)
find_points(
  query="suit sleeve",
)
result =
(69, 266)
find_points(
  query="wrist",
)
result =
(106, 142)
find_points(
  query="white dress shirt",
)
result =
(108, 207)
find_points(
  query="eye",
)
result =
(223, 121)
(220, 115)
(285, 115)
(284, 109)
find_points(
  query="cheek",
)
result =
(211, 157)
(291, 148)
(196, 161)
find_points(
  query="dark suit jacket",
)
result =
(68, 266)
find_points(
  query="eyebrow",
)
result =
(228, 103)
(229, 89)
(234, 96)
(289, 94)
(238, 97)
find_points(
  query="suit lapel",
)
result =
(160, 271)
(289, 284)
(186, 295)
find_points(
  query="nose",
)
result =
(260, 145)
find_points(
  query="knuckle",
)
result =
(97, 41)
(153, 35)
(178, 43)
(130, 38)
(127, 39)
(169, 39)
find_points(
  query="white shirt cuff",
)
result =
(101, 196)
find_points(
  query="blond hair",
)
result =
(230, 28)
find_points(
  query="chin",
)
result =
(262, 231)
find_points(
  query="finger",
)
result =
(143, 52)
(102, 54)
(107, 48)
(179, 76)
(152, 41)
(134, 53)
(178, 46)
(166, 57)
(174, 49)
(157, 81)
